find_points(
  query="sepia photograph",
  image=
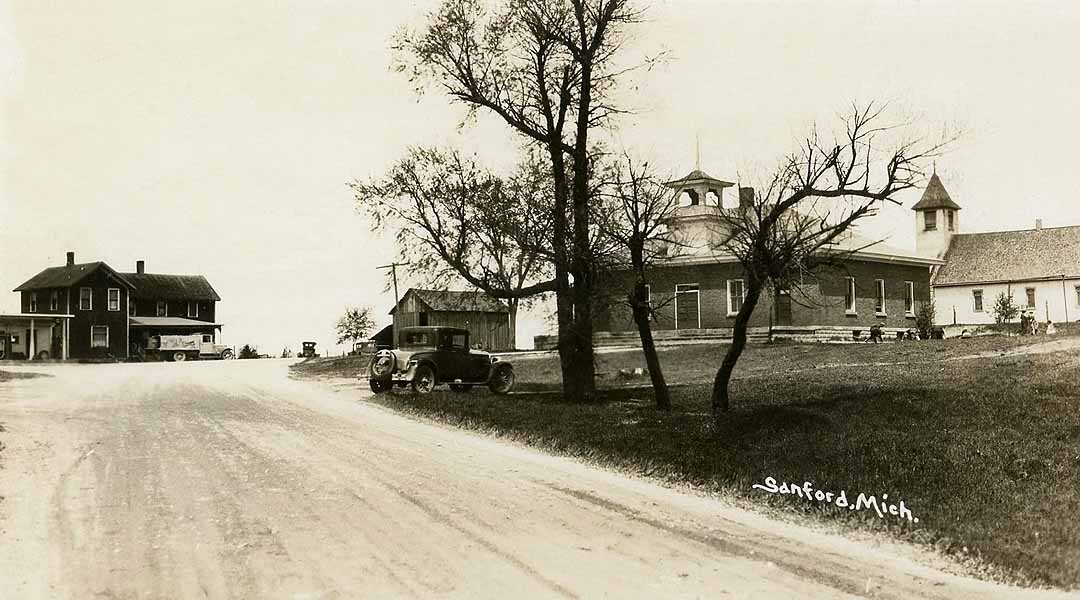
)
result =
(327, 299)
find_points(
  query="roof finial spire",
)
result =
(935, 166)
(697, 151)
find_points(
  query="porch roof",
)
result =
(39, 316)
(170, 322)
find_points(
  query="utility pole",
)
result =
(393, 273)
(1064, 298)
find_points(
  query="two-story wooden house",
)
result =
(90, 310)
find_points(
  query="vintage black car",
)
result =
(430, 356)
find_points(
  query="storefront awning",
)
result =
(170, 322)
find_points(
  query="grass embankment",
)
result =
(986, 452)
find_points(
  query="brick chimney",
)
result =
(70, 258)
(746, 197)
(140, 266)
(1038, 224)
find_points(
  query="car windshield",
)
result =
(417, 339)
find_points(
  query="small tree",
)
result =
(1005, 308)
(248, 351)
(354, 324)
(924, 319)
(286, 353)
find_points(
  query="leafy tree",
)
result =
(286, 353)
(355, 324)
(458, 223)
(813, 198)
(1005, 308)
(248, 351)
(547, 69)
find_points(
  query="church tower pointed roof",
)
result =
(935, 196)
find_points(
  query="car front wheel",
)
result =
(502, 380)
(424, 380)
(226, 355)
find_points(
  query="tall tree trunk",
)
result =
(583, 334)
(568, 347)
(640, 309)
(720, 401)
(512, 304)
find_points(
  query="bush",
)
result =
(1005, 310)
(924, 320)
(248, 351)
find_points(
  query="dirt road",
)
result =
(228, 480)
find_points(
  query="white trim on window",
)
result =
(648, 295)
(33, 302)
(93, 330)
(109, 299)
(131, 306)
(54, 300)
(89, 298)
(162, 308)
(909, 301)
(696, 289)
(880, 305)
(191, 304)
(978, 301)
(733, 310)
(849, 296)
(1029, 297)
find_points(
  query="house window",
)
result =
(952, 220)
(930, 217)
(86, 299)
(648, 294)
(736, 293)
(54, 300)
(422, 319)
(879, 302)
(192, 309)
(909, 298)
(114, 299)
(978, 296)
(33, 302)
(99, 336)
(1030, 297)
(162, 309)
(131, 306)
(849, 295)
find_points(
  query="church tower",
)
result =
(937, 219)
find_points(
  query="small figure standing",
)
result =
(1050, 329)
(1025, 323)
(875, 333)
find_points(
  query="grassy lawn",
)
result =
(986, 451)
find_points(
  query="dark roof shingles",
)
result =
(67, 275)
(172, 287)
(443, 300)
(935, 196)
(1011, 256)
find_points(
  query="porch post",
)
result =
(32, 342)
(64, 331)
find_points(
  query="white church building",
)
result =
(1039, 267)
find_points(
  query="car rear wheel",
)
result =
(424, 380)
(179, 357)
(502, 380)
(460, 387)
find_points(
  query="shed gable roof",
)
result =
(450, 301)
(1024, 255)
(69, 275)
(172, 287)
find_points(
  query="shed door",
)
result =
(687, 311)
(783, 308)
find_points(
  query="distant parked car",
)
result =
(430, 356)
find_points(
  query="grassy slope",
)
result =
(986, 452)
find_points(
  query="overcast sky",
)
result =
(217, 138)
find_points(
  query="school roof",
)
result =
(68, 275)
(1001, 256)
(450, 301)
(172, 287)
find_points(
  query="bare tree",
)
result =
(636, 223)
(808, 204)
(547, 69)
(456, 222)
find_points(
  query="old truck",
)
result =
(179, 348)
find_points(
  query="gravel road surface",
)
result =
(230, 480)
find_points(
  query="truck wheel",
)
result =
(379, 385)
(226, 354)
(179, 357)
(424, 381)
(502, 380)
